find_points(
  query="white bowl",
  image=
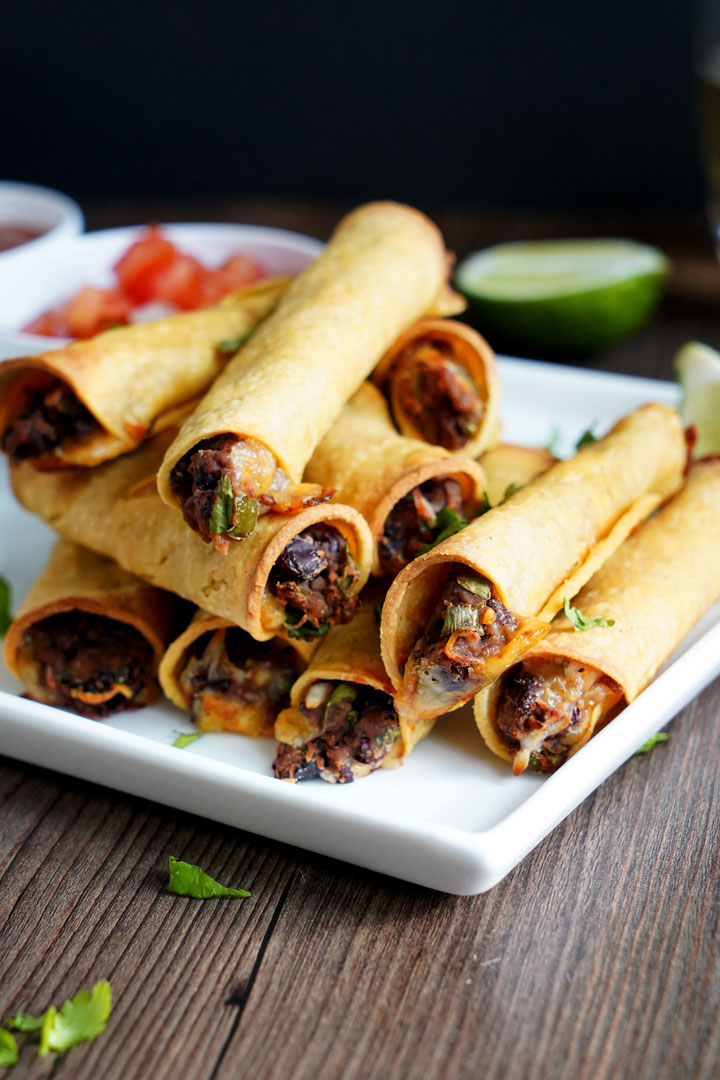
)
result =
(52, 213)
(47, 278)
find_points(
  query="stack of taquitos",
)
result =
(459, 615)
(243, 451)
(89, 635)
(401, 486)
(302, 572)
(653, 589)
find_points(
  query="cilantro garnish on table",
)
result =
(81, 1018)
(8, 1049)
(5, 616)
(580, 621)
(189, 880)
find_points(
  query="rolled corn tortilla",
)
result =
(460, 615)
(243, 451)
(303, 572)
(442, 381)
(404, 488)
(92, 400)
(653, 589)
(226, 680)
(89, 635)
(341, 723)
(508, 468)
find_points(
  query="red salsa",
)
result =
(12, 236)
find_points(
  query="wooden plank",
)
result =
(83, 899)
(594, 958)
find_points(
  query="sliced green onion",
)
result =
(459, 617)
(246, 516)
(342, 692)
(477, 585)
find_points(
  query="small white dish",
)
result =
(52, 213)
(453, 818)
(46, 278)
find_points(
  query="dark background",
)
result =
(509, 103)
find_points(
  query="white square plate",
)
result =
(453, 817)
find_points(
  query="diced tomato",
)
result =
(238, 271)
(50, 323)
(183, 283)
(139, 268)
(151, 269)
(93, 310)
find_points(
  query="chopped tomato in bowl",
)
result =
(152, 270)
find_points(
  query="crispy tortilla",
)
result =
(372, 467)
(384, 265)
(76, 579)
(655, 587)
(133, 378)
(470, 351)
(544, 543)
(115, 509)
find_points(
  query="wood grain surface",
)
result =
(598, 957)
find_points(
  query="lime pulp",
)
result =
(565, 295)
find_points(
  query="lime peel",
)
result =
(565, 295)
(698, 370)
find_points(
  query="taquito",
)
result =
(508, 468)
(458, 616)
(302, 572)
(89, 635)
(405, 489)
(92, 400)
(441, 379)
(226, 680)
(243, 451)
(341, 723)
(652, 590)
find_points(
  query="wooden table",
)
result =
(596, 957)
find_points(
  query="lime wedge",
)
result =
(698, 371)
(565, 295)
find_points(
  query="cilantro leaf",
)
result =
(81, 1018)
(25, 1022)
(553, 444)
(377, 611)
(305, 632)
(580, 621)
(189, 880)
(8, 1049)
(658, 737)
(223, 511)
(511, 489)
(446, 524)
(484, 505)
(184, 740)
(586, 439)
(5, 616)
(231, 345)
